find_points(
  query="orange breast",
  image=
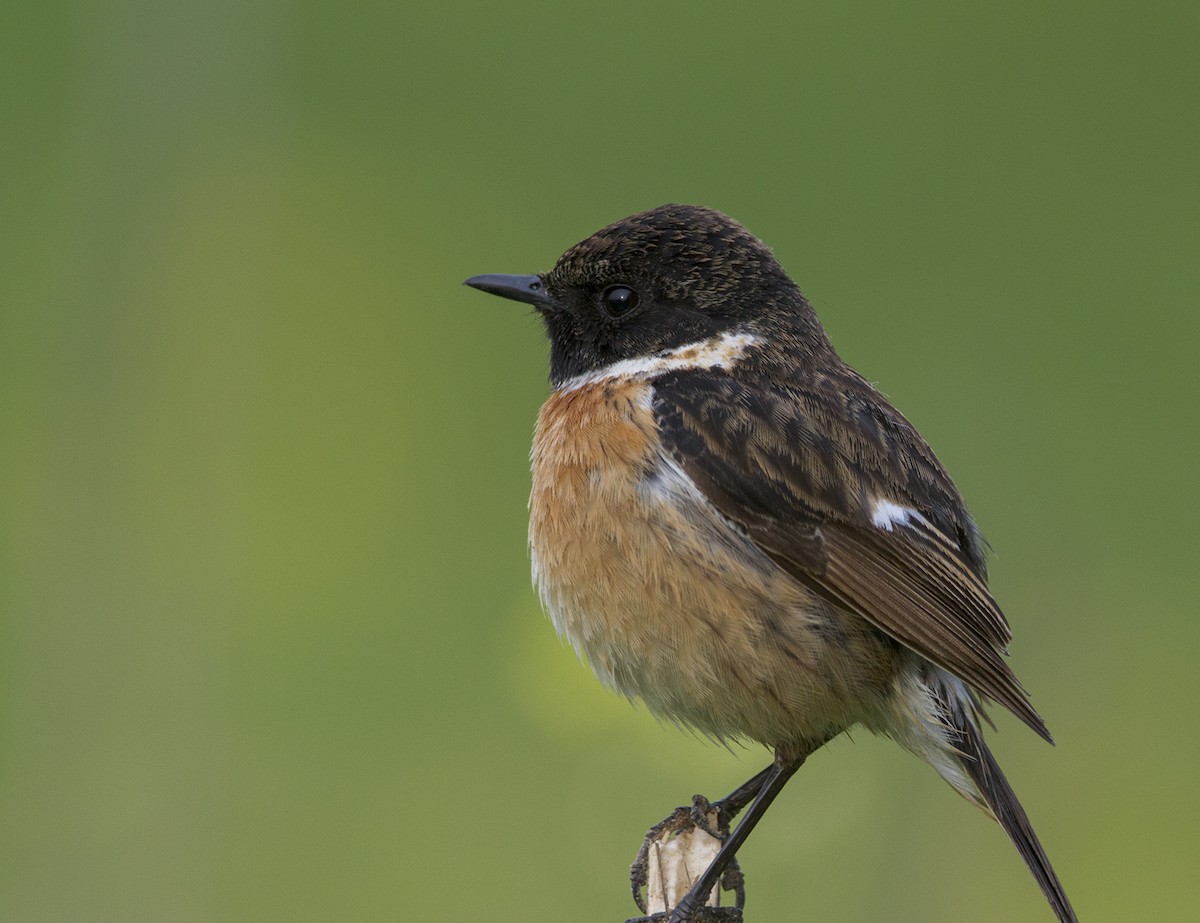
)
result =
(665, 600)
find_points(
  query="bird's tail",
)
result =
(992, 791)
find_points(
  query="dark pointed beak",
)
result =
(528, 289)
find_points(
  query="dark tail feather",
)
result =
(985, 772)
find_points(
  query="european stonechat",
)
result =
(731, 524)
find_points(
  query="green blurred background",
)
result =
(268, 649)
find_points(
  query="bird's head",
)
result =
(654, 282)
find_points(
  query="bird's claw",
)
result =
(714, 820)
(704, 914)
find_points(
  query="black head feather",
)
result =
(693, 273)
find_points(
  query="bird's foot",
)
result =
(700, 915)
(673, 856)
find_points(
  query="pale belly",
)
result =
(668, 602)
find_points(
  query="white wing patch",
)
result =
(720, 352)
(885, 514)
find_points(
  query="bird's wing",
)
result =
(838, 488)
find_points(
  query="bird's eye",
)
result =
(619, 300)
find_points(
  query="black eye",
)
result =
(619, 300)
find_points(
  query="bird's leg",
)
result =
(732, 804)
(772, 781)
(698, 815)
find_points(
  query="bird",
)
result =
(732, 525)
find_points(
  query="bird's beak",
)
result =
(529, 289)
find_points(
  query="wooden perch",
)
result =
(674, 855)
(675, 861)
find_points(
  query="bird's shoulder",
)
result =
(815, 441)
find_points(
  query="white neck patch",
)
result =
(720, 352)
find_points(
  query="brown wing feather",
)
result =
(796, 467)
(871, 575)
